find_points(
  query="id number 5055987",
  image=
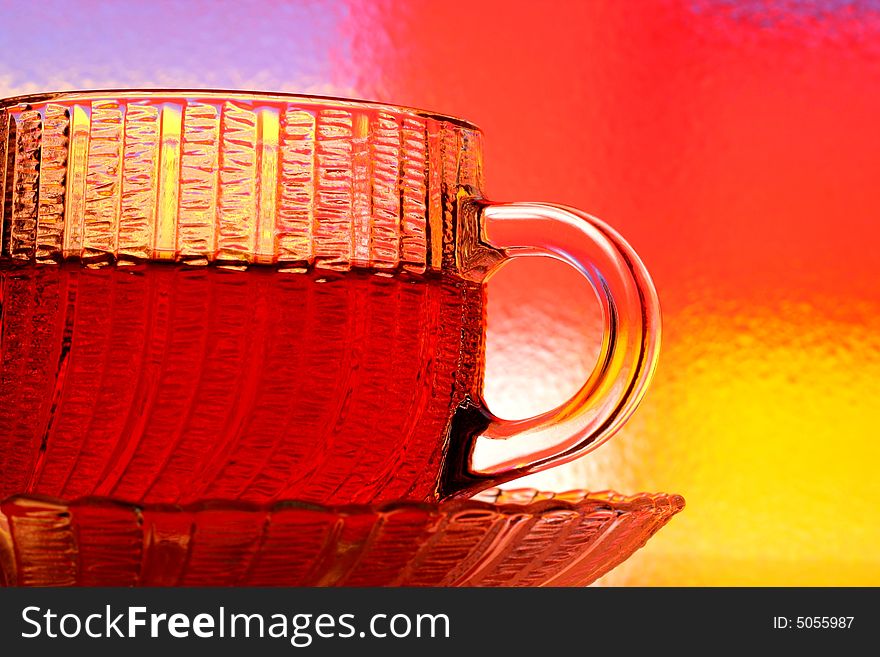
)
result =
(813, 622)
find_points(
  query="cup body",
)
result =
(245, 297)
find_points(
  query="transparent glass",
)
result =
(258, 297)
(500, 538)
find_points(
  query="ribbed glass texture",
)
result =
(172, 383)
(500, 538)
(233, 296)
(733, 143)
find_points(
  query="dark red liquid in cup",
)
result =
(168, 383)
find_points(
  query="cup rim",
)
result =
(136, 93)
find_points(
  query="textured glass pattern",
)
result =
(509, 538)
(132, 369)
(145, 243)
(171, 383)
(204, 177)
(734, 143)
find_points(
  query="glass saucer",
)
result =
(498, 538)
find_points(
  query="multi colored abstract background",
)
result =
(736, 146)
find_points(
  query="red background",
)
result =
(735, 144)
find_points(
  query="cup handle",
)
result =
(628, 354)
